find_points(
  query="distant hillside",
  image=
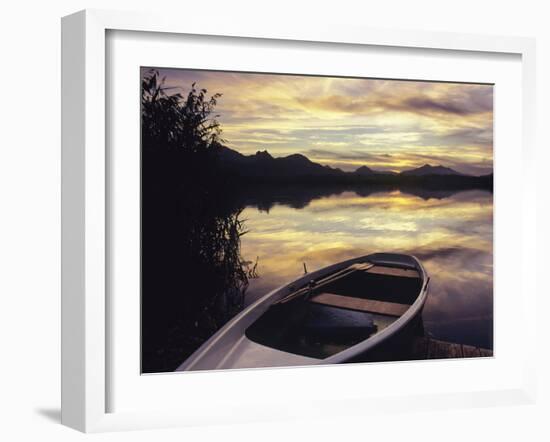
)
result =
(427, 169)
(364, 171)
(262, 164)
(367, 171)
(264, 168)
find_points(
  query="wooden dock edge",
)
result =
(429, 348)
(422, 348)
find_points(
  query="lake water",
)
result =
(451, 233)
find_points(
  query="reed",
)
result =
(193, 275)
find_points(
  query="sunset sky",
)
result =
(347, 123)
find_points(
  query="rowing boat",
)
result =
(334, 315)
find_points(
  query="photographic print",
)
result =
(296, 220)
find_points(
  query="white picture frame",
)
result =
(85, 209)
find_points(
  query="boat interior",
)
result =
(338, 311)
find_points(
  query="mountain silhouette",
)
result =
(263, 164)
(367, 171)
(296, 169)
(427, 169)
(364, 170)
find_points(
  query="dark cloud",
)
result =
(321, 132)
(348, 155)
(426, 104)
(470, 136)
(466, 101)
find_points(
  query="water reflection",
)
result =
(451, 232)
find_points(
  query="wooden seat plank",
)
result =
(393, 271)
(359, 304)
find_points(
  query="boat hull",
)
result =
(230, 348)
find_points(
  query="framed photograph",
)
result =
(252, 214)
(248, 189)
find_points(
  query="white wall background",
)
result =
(30, 220)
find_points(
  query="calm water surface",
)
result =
(452, 234)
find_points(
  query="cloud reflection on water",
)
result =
(453, 236)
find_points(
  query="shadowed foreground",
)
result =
(193, 277)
